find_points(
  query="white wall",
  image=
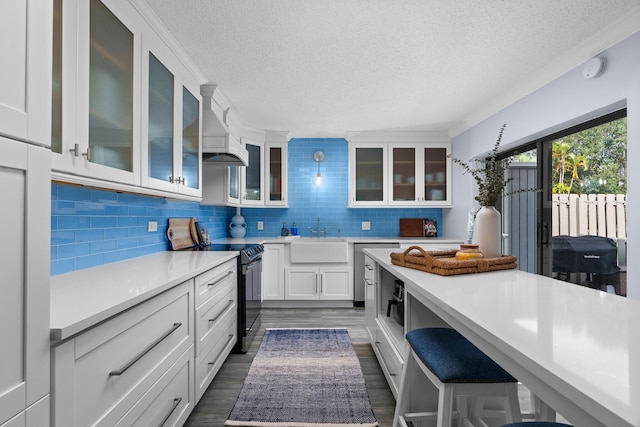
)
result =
(568, 100)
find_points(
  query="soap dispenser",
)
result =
(294, 230)
(284, 231)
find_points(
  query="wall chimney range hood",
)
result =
(219, 146)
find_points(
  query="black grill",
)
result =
(585, 254)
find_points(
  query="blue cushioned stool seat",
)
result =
(537, 424)
(452, 358)
(464, 379)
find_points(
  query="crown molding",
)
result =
(412, 136)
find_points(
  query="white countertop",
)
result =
(83, 298)
(576, 348)
(402, 240)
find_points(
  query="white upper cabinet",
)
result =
(100, 92)
(262, 183)
(25, 86)
(368, 170)
(276, 169)
(126, 110)
(171, 111)
(399, 169)
(252, 182)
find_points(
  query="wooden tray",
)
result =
(444, 263)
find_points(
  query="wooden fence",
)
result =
(590, 214)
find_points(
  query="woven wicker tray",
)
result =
(445, 263)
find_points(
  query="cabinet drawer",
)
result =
(208, 283)
(210, 314)
(370, 269)
(210, 359)
(100, 374)
(391, 361)
(169, 401)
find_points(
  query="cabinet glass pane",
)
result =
(190, 139)
(110, 90)
(56, 82)
(404, 174)
(234, 185)
(369, 174)
(435, 173)
(160, 120)
(275, 173)
(253, 173)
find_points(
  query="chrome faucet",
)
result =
(317, 230)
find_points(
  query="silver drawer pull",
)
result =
(143, 352)
(222, 312)
(176, 402)
(210, 364)
(219, 278)
(368, 267)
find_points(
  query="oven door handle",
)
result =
(254, 263)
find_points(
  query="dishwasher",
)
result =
(358, 268)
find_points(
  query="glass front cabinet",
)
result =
(276, 168)
(399, 174)
(252, 193)
(171, 125)
(95, 92)
(126, 110)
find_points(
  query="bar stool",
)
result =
(459, 370)
(537, 424)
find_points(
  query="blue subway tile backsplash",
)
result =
(328, 201)
(91, 227)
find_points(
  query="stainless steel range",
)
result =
(249, 290)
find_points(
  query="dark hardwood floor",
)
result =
(218, 400)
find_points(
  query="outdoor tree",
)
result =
(592, 161)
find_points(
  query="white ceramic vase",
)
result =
(489, 231)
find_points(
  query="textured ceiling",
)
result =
(325, 67)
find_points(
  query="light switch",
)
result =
(152, 226)
(366, 225)
(260, 225)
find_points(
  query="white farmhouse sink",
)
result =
(319, 250)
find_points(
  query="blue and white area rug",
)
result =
(304, 377)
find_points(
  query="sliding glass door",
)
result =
(574, 227)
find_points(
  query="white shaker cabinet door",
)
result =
(24, 262)
(25, 75)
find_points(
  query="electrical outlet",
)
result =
(152, 226)
(260, 225)
(366, 225)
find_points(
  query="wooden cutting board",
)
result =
(179, 233)
(411, 227)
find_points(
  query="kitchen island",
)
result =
(575, 348)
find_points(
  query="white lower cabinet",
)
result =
(170, 401)
(36, 415)
(211, 358)
(103, 374)
(390, 359)
(318, 283)
(370, 303)
(215, 321)
(273, 272)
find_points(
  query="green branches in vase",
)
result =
(489, 174)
